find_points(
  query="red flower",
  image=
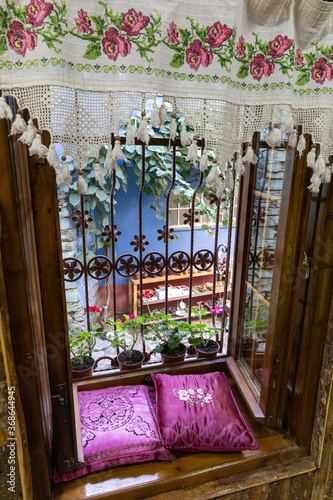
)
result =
(37, 11)
(217, 34)
(134, 22)
(299, 58)
(92, 309)
(278, 46)
(241, 47)
(197, 55)
(260, 66)
(20, 39)
(173, 34)
(321, 70)
(83, 22)
(113, 44)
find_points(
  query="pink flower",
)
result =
(123, 319)
(113, 44)
(20, 39)
(134, 22)
(217, 34)
(331, 56)
(83, 22)
(241, 47)
(321, 70)
(299, 58)
(215, 311)
(131, 316)
(260, 66)
(173, 34)
(278, 46)
(37, 11)
(197, 55)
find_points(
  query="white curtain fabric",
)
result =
(229, 66)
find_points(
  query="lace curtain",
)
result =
(229, 67)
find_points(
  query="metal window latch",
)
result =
(62, 394)
(306, 265)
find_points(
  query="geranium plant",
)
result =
(81, 344)
(165, 331)
(127, 332)
(200, 333)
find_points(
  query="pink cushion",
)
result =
(199, 412)
(118, 427)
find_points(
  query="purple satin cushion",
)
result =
(118, 427)
(199, 412)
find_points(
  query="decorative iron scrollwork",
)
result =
(73, 269)
(188, 217)
(203, 260)
(127, 265)
(99, 267)
(136, 243)
(265, 259)
(154, 263)
(107, 233)
(162, 233)
(79, 219)
(179, 262)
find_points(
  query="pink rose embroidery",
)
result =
(20, 39)
(37, 11)
(134, 22)
(173, 34)
(194, 395)
(241, 47)
(83, 22)
(260, 66)
(278, 46)
(321, 70)
(331, 56)
(113, 44)
(217, 34)
(197, 55)
(299, 58)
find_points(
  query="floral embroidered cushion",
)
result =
(118, 427)
(199, 412)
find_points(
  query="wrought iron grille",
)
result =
(127, 265)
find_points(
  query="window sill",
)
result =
(200, 475)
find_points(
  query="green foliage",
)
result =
(200, 333)
(127, 332)
(165, 331)
(81, 344)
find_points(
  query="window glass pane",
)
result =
(264, 219)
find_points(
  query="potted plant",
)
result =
(81, 345)
(169, 334)
(126, 336)
(201, 335)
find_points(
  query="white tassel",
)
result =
(52, 157)
(250, 155)
(288, 125)
(64, 177)
(326, 175)
(274, 139)
(155, 116)
(184, 138)
(319, 166)
(29, 134)
(301, 145)
(162, 114)
(117, 152)
(99, 174)
(219, 188)
(109, 163)
(173, 127)
(213, 176)
(311, 158)
(37, 148)
(315, 183)
(130, 136)
(203, 161)
(192, 153)
(19, 124)
(239, 167)
(142, 132)
(293, 139)
(5, 111)
(81, 184)
(229, 181)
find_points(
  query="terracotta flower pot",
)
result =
(126, 363)
(86, 369)
(175, 355)
(207, 352)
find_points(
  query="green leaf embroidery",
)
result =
(185, 36)
(93, 51)
(3, 45)
(243, 71)
(100, 25)
(3, 18)
(310, 58)
(303, 79)
(178, 60)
